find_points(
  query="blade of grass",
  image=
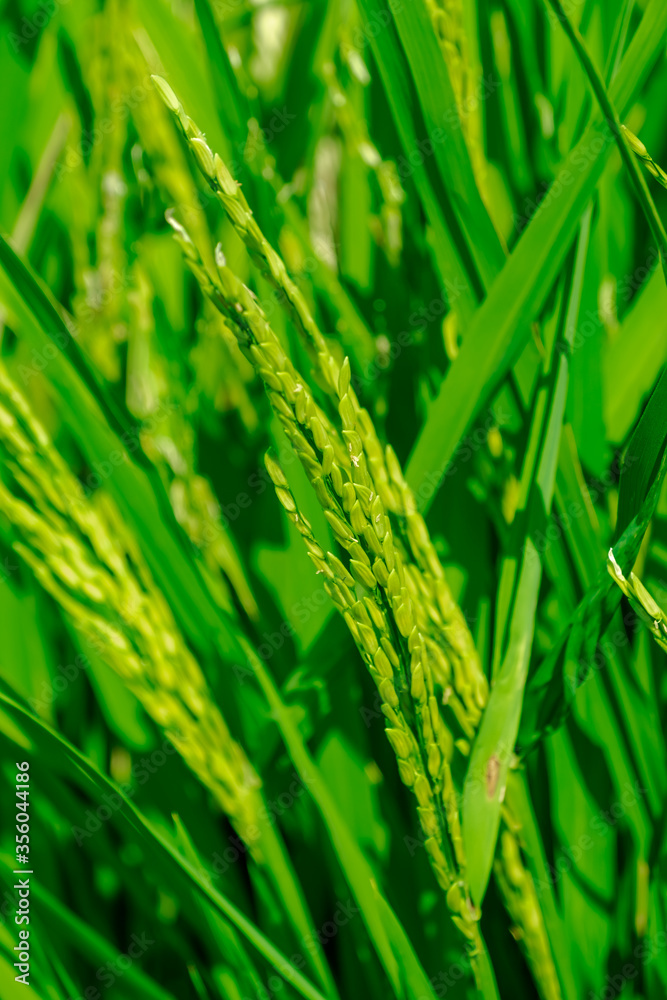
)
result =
(632, 361)
(486, 778)
(618, 42)
(622, 710)
(429, 72)
(104, 430)
(92, 944)
(456, 268)
(643, 455)
(607, 106)
(559, 676)
(501, 325)
(233, 107)
(156, 843)
(224, 934)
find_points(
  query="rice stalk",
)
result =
(408, 617)
(176, 183)
(383, 465)
(383, 623)
(81, 553)
(312, 103)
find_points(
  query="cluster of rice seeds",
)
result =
(358, 483)
(520, 898)
(383, 623)
(81, 553)
(263, 349)
(458, 666)
(263, 255)
(270, 264)
(228, 192)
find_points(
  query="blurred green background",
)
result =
(446, 194)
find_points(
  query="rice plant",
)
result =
(332, 509)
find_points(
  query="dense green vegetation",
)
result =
(333, 537)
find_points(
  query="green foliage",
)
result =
(332, 508)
